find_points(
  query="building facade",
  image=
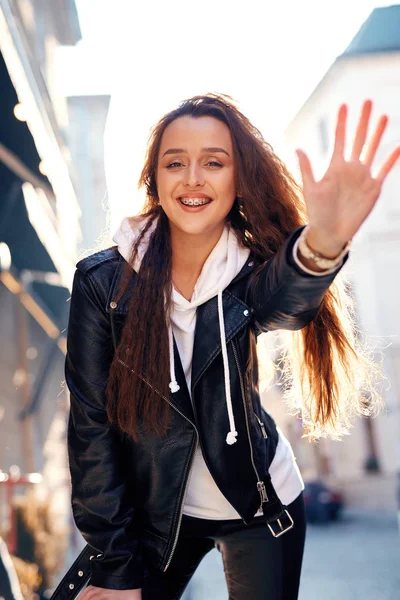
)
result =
(39, 239)
(87, 117)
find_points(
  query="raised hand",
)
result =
(340, 202)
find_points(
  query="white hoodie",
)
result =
(203, 498)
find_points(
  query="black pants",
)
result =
(257, 566)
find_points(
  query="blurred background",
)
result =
(81, 83)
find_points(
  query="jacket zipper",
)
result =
(190, 465)
(262, 426)
(181, 506)
(260, 484)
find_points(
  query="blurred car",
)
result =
(322, 504)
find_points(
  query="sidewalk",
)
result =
(357, 558)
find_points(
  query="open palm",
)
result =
(340, 202)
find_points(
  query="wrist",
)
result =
(327, 256)
(323, 245)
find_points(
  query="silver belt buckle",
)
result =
(282, 529)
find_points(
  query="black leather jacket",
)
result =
(127, 496)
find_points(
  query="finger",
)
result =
(340, 133)
(362, 128)
(88, 592)
(388, 165)
(305, 168)
(375, 140)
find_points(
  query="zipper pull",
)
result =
(263, 492)
(262, 427)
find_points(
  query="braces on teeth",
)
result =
(194, 201)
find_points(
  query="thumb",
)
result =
(305, 168)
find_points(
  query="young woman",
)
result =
(170, 450)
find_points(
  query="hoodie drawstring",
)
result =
(174, 386)
(232, 434)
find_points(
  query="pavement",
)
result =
(356, 558)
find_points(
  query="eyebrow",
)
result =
(182, 150)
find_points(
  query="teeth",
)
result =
(195, 201)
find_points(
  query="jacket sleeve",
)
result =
(282, 295)
(101, 506)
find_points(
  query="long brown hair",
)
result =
(329, 370)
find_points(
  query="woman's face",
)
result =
(196, 174)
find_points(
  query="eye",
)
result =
(214, 164)
(174, 164)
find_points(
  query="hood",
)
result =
(222, 265)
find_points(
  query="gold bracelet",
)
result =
(320, 260)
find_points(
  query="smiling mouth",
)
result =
(195, 201)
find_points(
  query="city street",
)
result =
(227, 222)
(357, 558)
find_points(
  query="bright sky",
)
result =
(269, 55)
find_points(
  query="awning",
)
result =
(59, 236)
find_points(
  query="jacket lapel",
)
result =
(207, 340)
(181, 399)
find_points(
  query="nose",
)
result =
(194, 176)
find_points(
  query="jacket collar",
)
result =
(122, 306)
